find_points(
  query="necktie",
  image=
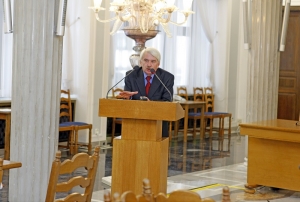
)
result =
(148, 84)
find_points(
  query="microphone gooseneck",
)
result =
(134, 68)
(154, 72)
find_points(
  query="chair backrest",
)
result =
(65, 107)
(198, 94)
(86, 180)
(182, 91)
(210, 107)
(208, 90)
(209, 98)
(116, 91)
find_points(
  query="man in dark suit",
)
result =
(137, 84)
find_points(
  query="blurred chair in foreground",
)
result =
(147, 195)
(86, 182)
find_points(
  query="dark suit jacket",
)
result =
(135, 82)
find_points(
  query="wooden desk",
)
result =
(5, 165)
(273, 153)
(186, 105)
(5, 115)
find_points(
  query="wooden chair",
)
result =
(147, 195)
(182, 91)
(115, 120)
(70, 125)
(211, 114)
(198, 96)
(65, 117)
(80, 160)
(198, 93)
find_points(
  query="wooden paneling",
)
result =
(287, 103)
(289, 75)
(134, 161)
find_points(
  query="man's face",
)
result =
(148, 62)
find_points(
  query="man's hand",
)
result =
(127, 94)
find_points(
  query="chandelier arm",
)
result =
(179, 23)
(108, 20)
(127, 18)
(165, 20)
(152, 21)
(166, 29)
(142, 26)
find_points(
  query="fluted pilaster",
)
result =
(263, 71)
(37, 53)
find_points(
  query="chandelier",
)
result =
(142, 18)
(143, 15)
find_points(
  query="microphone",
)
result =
(154, 72)
(134, 68)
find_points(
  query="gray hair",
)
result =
(153, 51)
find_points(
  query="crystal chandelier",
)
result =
(143, 15)
(142, 18)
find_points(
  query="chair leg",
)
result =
(229, 131)
(211, 120)
(71, 142)
(76, 141)
(221, 133)
(194, 128)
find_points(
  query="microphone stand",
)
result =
(120, 81)
(153, 72)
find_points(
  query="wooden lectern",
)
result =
(140, 152)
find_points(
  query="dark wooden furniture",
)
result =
(86, 181)
(289, 73)
(5, 115)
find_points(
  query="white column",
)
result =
(263, 75)
(35, 97)
(263, 63)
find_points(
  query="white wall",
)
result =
(221, 67)
(238, 63)
(86, 44)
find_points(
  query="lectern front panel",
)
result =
(137, 129)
